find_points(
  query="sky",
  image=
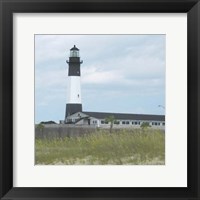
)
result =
(120, 73)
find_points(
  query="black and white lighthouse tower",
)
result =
(74, 83)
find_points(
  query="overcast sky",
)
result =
(120, 73)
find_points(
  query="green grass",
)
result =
(128, 147)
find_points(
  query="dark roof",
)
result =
(126, 116)
(74, 48)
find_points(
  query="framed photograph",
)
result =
(99, 99)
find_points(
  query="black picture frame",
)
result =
(8, 7)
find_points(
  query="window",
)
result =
(102, 122)
(163, 123)
(127, 122)
(123, 122)
(136, 123)
(116, 122)
(74, 53)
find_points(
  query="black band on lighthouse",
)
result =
(74, 70)
(72, 108)
(74, 63)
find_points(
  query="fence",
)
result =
(60, 131)
(51, 131)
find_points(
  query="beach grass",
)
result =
(122, 147)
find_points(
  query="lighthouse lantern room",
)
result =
(74, 83)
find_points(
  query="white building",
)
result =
(121, 120)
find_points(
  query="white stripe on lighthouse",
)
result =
(74, 90)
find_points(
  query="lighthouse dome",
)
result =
(74, 48)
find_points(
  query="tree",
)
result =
(145, 125)
(110, 119)
(48, 122)
(40, 127)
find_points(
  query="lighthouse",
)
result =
(74, 83)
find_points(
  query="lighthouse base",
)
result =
(72, 108)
